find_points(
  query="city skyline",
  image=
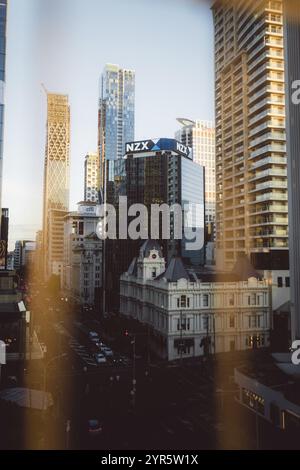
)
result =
(158, 307)
(159, 100)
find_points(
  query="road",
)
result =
(188, 405)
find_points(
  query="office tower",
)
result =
(116, 113)
(3, 18)
(56, 181)
(200, 136)
(91, 177)
(292, 48)
(82, 278)
(23, 253)
(158, 171)
(251, 163)
(55, 246)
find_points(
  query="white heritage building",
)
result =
(188, 313)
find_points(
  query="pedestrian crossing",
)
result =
(80, 350)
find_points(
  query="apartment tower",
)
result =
(251, 162)
(91, 177)
(292, 48)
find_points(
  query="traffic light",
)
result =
(126, 333)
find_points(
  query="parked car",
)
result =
(100, 358)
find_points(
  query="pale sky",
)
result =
(65, 45)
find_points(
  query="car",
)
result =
(107, 351)
(94, 427)
(100, 358)
(94, 337)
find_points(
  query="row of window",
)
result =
(254, 321)
(280, 282)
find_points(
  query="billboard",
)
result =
(157, 145)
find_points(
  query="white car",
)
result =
(107, 351)
(100, 358)
(94, 337)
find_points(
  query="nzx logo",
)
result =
(142, 146)
(182, 148)
(2, 353)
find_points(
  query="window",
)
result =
(205, 323)
(183, 301)
(279, 282)
(231, 321)
(183, 324)
(184, 346)
(287, 282)
(153, 273)
(253, 323)
(205, 300)
(231, 299)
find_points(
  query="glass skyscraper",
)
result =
(3, 17)
(116, 113)
(158, 171)
(200, 136)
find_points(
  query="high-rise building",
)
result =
(251, 163)
(24, 253)
(56, 181)
(4, 238)
(91, 177)
(3, 18)
(116, 113)
(292, 48)
(55, 246)
(82, 276)
(156, 172)
(200, 136)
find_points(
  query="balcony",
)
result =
(269, 161)
(269, 233)
(268, 173)
(266, 113)
(269, 185)
(271, 197)
(259, 221)
(269, 209)
(268, 149)
(266, 137)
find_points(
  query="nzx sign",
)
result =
(142, 146)
(157, 145)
